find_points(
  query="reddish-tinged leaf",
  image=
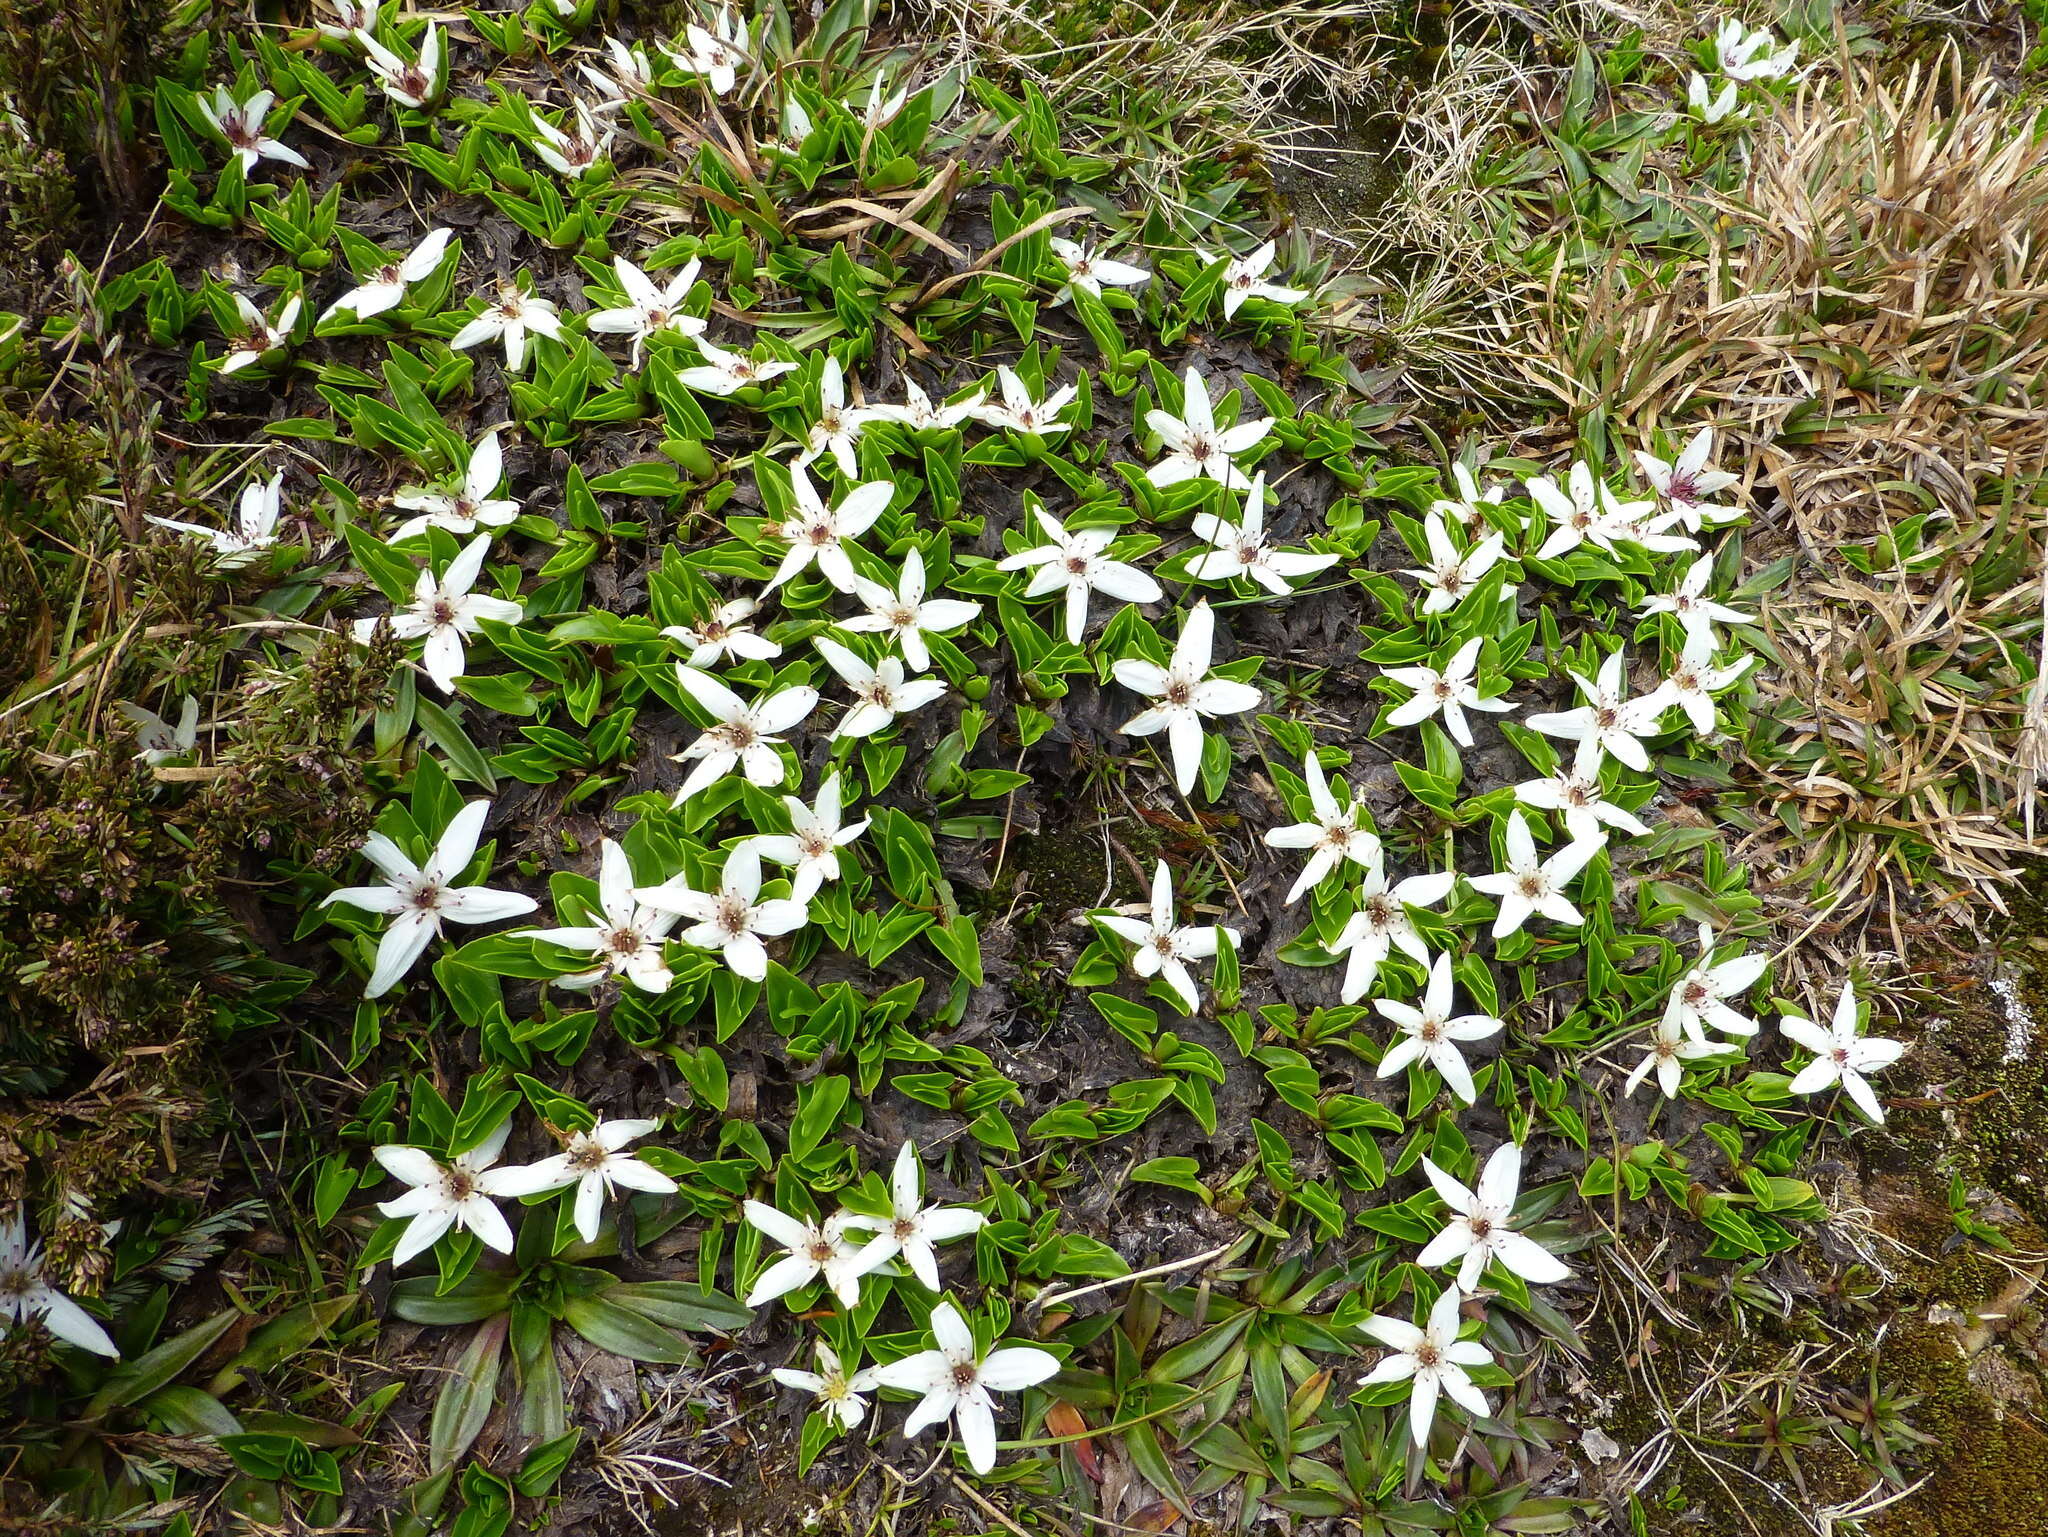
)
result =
(1156, 1517)
(1065, 1420)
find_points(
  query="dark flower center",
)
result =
(965, 1373)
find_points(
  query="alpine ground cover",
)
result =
(781, 771)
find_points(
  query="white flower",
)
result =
(1841, 1055)
(880, 692)
(1589, 513)
(409, 83)
(350, 14)
(796, 128)
(648, 308)
(1242, 550)
(810, 850)
(716, 52)
(1693, 683)
(629, 941)
(385, 287)
(1245, 278)
(445, 611)
(1451, 574)
(1479, 1232)
(1470, 508)
(822, 535)
(1335, 834)
(920, 415)
(467, 510)
(731, 920)
(1699, 999)
(740, 735)
(1746, 55)
(1163, 947)
(456, 1194)
(420, 898)
(880, 109)
(241, 124)
(631, 72)
(1433, 1033)
(1529, 885)
(815, 1249)
(260, 336)
(156, 740)
(592, 1161)
(1708, 107)
(1688, 603)
(1607, 722)
(838, 426)
(1018, 412)
(1686, 485)
(25, 1293)
(255, 529)
(1195, 447)
(1666, 1053)
(725, 633)
(956, 1383)
(1185, 693)
(1450, 690)
(510, 316)
(913, 1229)
(1380, 923)
(1075, 561)
(727, 373)
(1088, 269)
(905, 614)
(839, 1396)
(1435, 1358)
(573, 151)
(1577, 793)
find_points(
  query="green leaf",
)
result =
(468, 1395)
(624, 1332)
(135, 1381)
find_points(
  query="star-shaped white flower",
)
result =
(732, 920)
(1018, 412)
(1699, 999)
(879, 109)
(822, 535)
(1666, 1052)
(838, 426)
(905, 614)
(1576, 791)
(1746, 55)
(456, 1194)
(445, 612)
(420, 898)
(1480, 1232)
(384, 288)
(810, 849)
(409, 82)
(1588, 512)
(1687, 485)
(913, 1229)
(574, 150)
(1693, 683)
(255, 528)
(26, 1293)
(1434, 1359)
(919, 414)
(814, 1249)
(1088, 269)
(1432, 1033)
(1449, 691)
(839, 1396)
(1709, 107)
(1608, 722)
(1531, 885)
(1379, 923)
(156, 739)
(727, 373)
(717, 52)
(649, 308)
(629, 72)
(1452, 573)
(1689, 604)
(1245, 278)
(348, 14)
(880, 692)
(1334, 834)
(1242, 550)
(1163, 948)
(1194, 445)
(629, 941)
(465, 511)
(260, 336)
(740, 735)
(241, 123)
(1841, 1055)
(1185, 693)
(596, 1163)
(1471, 509)
(509, 318)
(724, 632)
(956, 1382)
(1076, 562)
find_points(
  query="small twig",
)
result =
(1047, 1299)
